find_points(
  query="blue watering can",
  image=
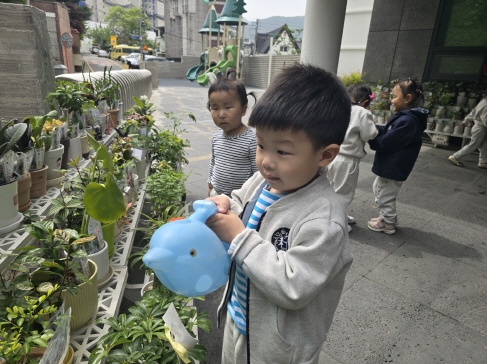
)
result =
(187, 256)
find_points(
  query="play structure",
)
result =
(227, 52)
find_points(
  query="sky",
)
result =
(261, 9)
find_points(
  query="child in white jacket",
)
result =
(343, 171)
(479, 135)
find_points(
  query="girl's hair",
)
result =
(359, 93)
(413, 87)
(227, 85)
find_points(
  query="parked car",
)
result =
(102, 53)
(154, 59)
(131, 55)
(133, 63)
(94, 50)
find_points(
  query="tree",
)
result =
(77, 15)
(125, 22)
(100, 36)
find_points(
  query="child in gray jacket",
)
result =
(290, 250)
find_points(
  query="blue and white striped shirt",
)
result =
(237, 306)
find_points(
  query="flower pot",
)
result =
(141, 168)
(85, 303)
(447, 129)
(439, 127)
(102, 262)
(53, 159)
(472, 102)
(102, 106)
(467, 131)
(457, 130)
(64, 161)
(74, 148)
(39, 179)
(109, 236)
(146, 287)
(119, 224)
(85, 147)
(10, 204)
(380, 120)
(39, 352)
(25, 183)
(113, 115)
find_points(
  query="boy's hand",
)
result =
(226, 226)
(222, 203)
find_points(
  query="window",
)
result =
(283, 48)
(175, 7)
(459, 44)
(185, 6)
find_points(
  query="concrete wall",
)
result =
(399, 39)
(26, 71)
(176, 69)
(62, 26)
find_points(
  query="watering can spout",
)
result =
(158, 258)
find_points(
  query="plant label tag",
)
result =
(94, 228)
(7, 167)
(75, 131)
(137, 153)
(56, 138)
(178, 330)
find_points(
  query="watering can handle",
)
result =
(203, 209)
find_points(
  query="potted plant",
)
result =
(58, 260)
(143, 337)
(25, 154)
(10, 217)
(56, 157)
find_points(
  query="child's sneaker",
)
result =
(454, 161)
(481, 165)
(351, 219)
(374, 219)
(381, 226)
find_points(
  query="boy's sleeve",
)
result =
(291, 279)
(212, 160)
(252, 153)
(368, 130)
(400, 134)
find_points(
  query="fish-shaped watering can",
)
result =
(187, 256)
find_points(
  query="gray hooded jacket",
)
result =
(292, 293)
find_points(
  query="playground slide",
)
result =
(223, 65)
(192, 73)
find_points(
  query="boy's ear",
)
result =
(328, 154)
(408, 98)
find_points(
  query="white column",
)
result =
(322, 34)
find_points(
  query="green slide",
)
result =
(192, 73)
(223, 65)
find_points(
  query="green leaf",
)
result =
(11, 136)
(104, 202)
(92, 142)
(103, 155)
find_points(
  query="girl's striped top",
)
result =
(232, 160)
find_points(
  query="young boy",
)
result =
(290, 250)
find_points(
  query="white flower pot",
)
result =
(439, 127)
(141, 168)
(53, 159)
(380, 120)
(467, 131)
(457, 130)
(10, 204)
(74, 148)
(102, 261)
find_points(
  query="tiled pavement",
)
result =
(419, 296)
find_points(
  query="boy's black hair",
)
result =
(412, 86)
(213, 63)
(225, 84)
(305, 98)
(359, 93)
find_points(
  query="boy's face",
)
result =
(227, 111)
(287, 159)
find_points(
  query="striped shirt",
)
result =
(232, 160)
(237, 306)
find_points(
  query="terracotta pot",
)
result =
(113, 117)
(25, 183)
(39, 179)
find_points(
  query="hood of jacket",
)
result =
(421, 115)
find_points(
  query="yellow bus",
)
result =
(124, 50)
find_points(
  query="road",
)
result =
(93, 63)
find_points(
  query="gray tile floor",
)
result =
(419, 296)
